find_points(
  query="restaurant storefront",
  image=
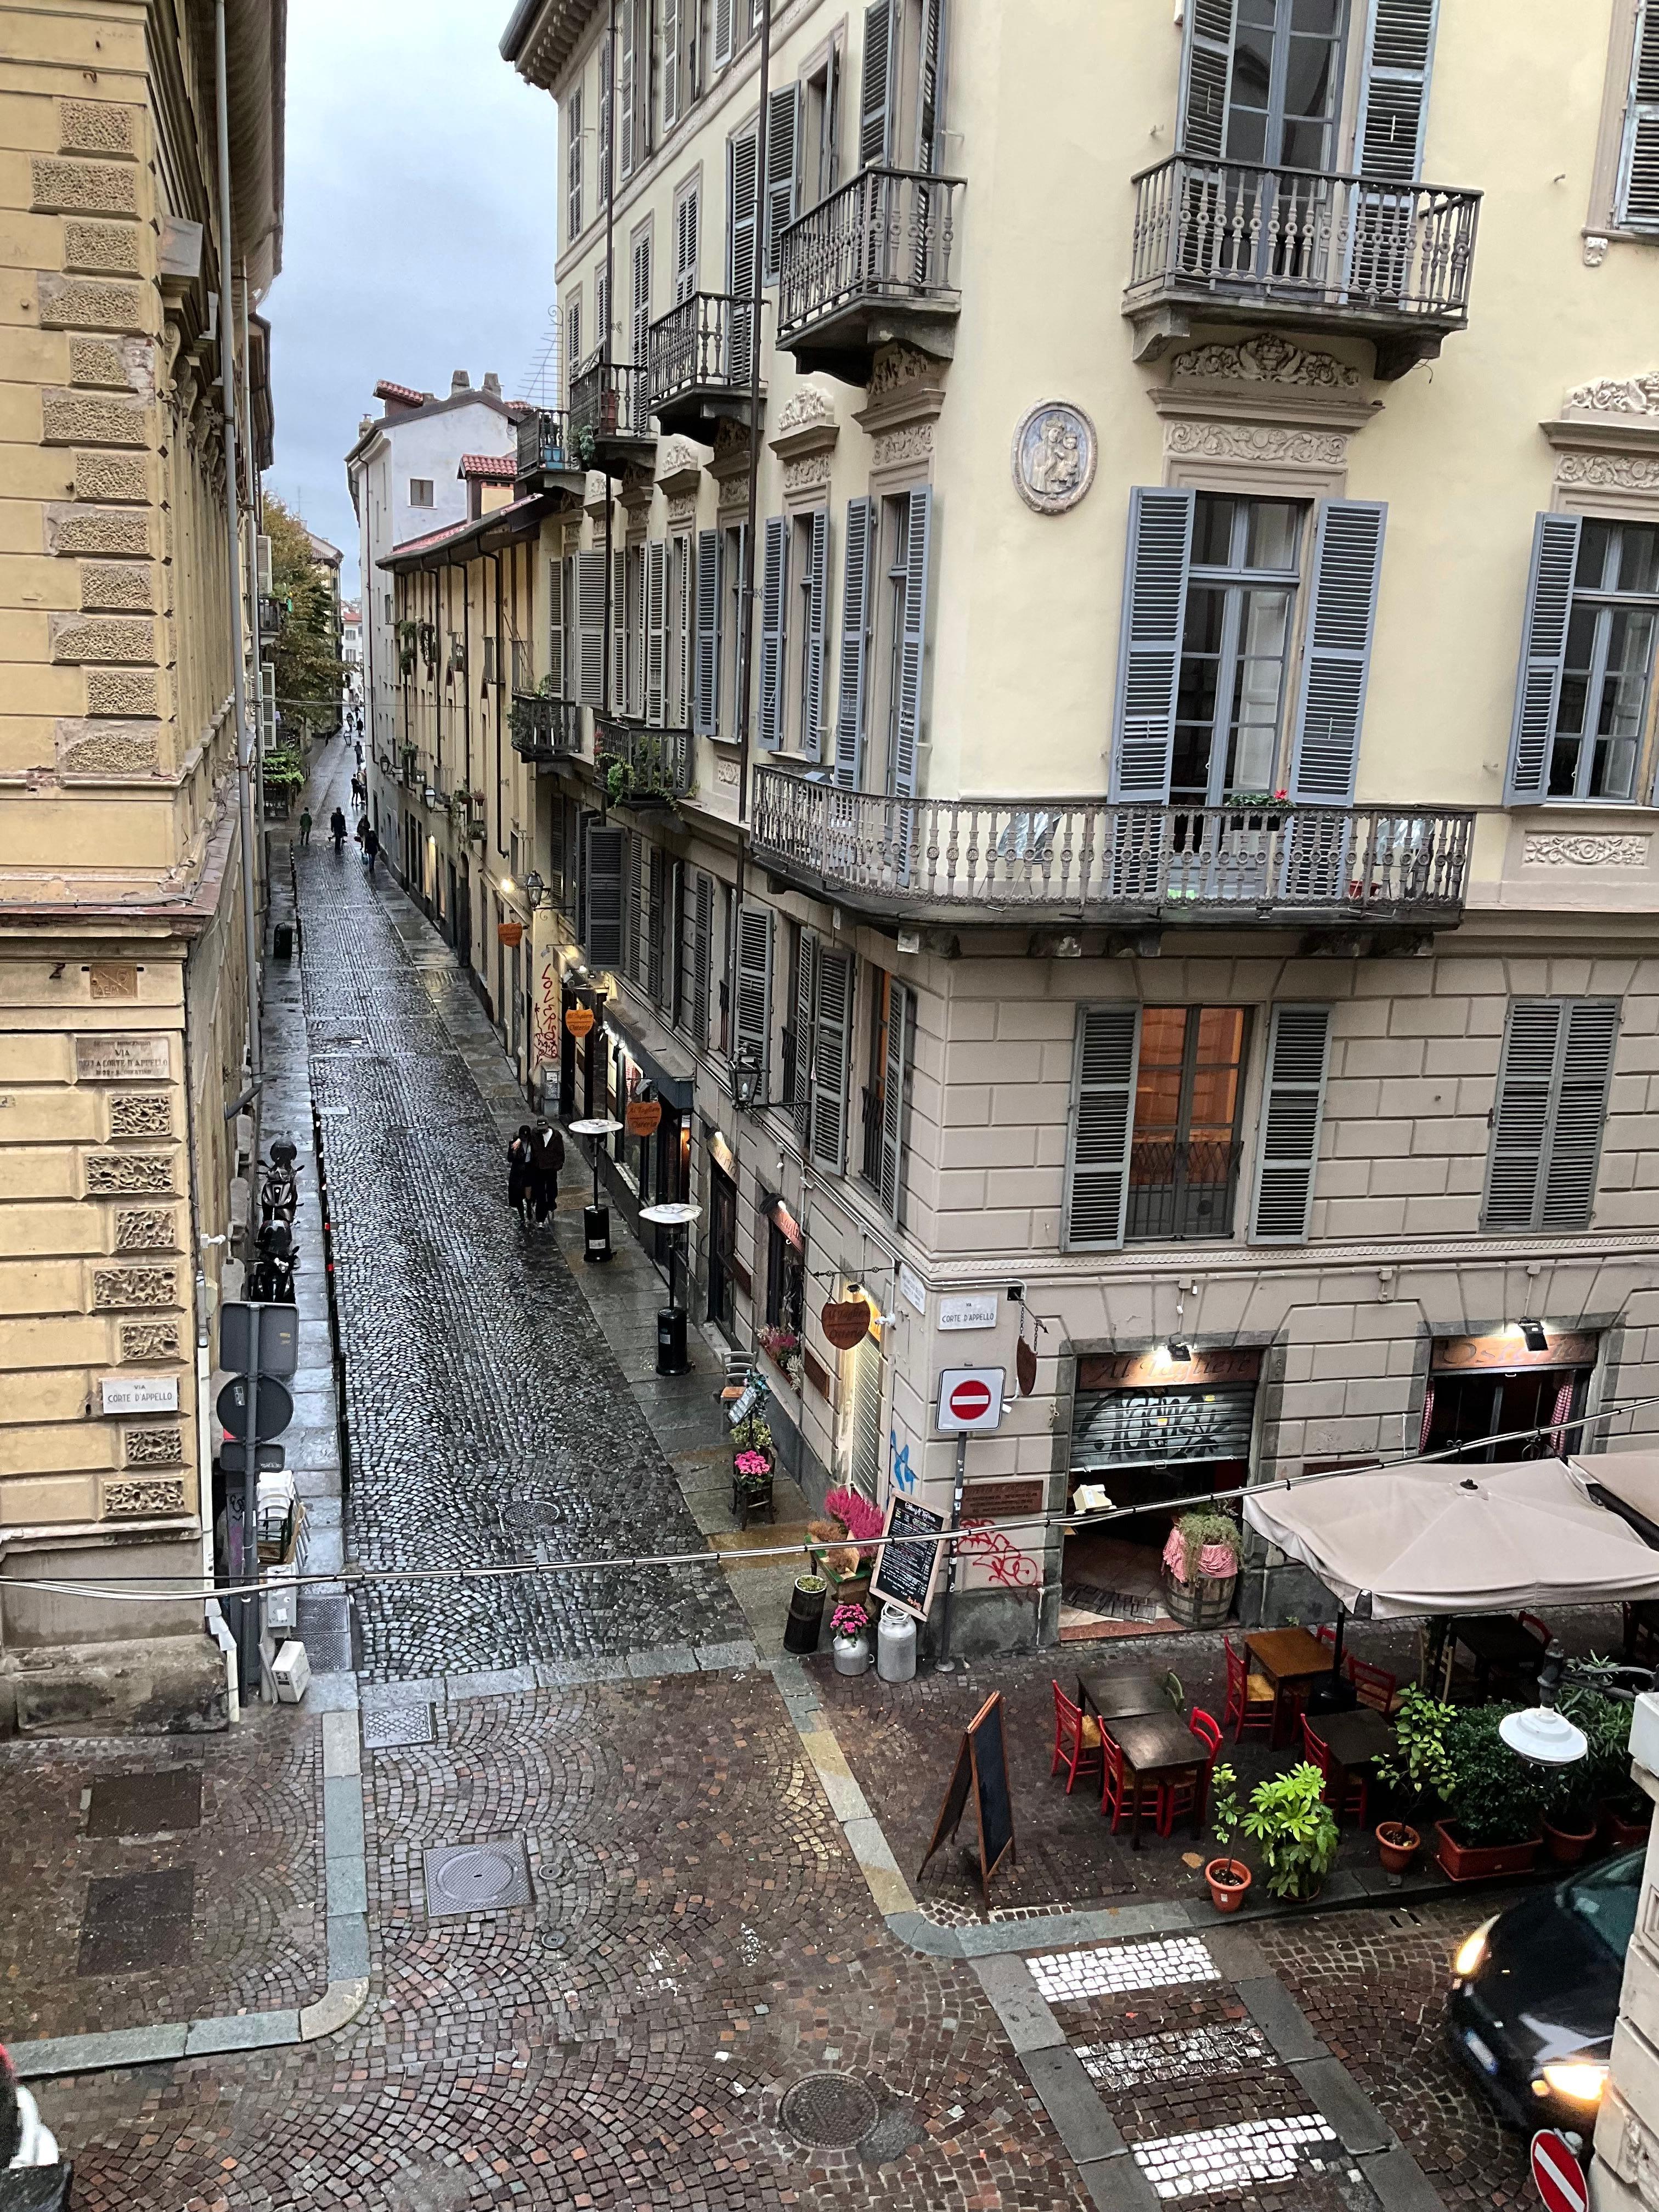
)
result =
(638, 1066)
(1482, 1390)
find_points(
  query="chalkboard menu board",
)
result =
(905, 1572)
(983, 1765)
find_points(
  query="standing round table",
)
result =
(596, 1217)
(673, 1214)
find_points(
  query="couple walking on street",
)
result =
(533, 1161)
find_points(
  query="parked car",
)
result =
(1535, 1994)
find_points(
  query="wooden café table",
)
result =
(1352, 1738)
(1115, 1697)
(1160, 1748)
(1290, 1658)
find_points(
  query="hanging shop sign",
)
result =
(912, 1289)
(579, 1020)
(1455, 1355)
(845, 1325)
(1025, 1368)
(977, 1310)
(510, 932)
(643, 1115)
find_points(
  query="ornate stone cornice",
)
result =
(1267, 359)
(1264, 380)
(635, 494)
(1631, 395)
(679, 468)
(905, 386)
(807, 426)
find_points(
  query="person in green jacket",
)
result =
(304, 825)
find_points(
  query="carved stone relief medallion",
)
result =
(1054, 454)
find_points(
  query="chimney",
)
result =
(492, 384)
(365, 425)
(459, 382)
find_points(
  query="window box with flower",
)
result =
(783, 1347)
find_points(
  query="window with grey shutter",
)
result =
(632, 959)
(702, 954)
(1102, 1123)
(800, 1059)
(686, 230)
(656, 632)
(775, 589)
(671, 62)
(556, 627)
(1394, 92)
(1206, 75)
(1551, 1110)
(895, 1105)
(603, 880)
(628, 77)
(1337, 655)
(930, 94)
(640, 333)
(725, 26)
(782, 169)
(875, 89)
(832, 1030)
(657, 914)
(754, 1022)
(742, 243)
(590, 627)
(812, 649)
(1543, 656)
(1149, 648)
(1637, 201)
(855, 643)
(913, 644)
(1292, 1108)
(706, 658)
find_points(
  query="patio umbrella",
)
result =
(1425, 1538)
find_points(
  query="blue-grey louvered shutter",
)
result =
(817, 615)
(855, 643)
(1636, 201)
(590, 627)
(604, 895)
(742, 244)
(1551, 1110)
(656, 632)
(875, 91)
(1394, 92)
(706, 656)
(1102, 1124)
(1337, 657)
(702, 955)
(1292, 1108)
(1149, 649)
(800, 1089)
(754, 1022)
(1543, 656)
(774, 588)
(913, 643)
(901, 1045)
(556, 628)
(832, 1052)
(1205, 75)
(1580, 1114)
(782, 168)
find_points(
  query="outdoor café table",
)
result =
(1497, 1641)
(1288, 1657)
(1353, 1740)
(1160, 1748)
(1116, 1696)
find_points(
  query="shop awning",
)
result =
(669, 1066)
(1427, 1538)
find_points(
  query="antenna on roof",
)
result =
(540, 384)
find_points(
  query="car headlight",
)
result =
(1581, 2079)
(1473, 1948)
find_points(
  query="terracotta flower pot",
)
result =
(1230, 1883)
(1568, 1845)
(1624, 1833)
(1397, 1845)
(1463, 1862)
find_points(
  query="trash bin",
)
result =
(800, 1630)
(671, 1342)
(282, 941)
(595, 1232)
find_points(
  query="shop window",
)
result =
(1489, 1400)
(786, 1279)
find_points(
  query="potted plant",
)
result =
(849, 1642)
(801, 1629)
(1418, 1771)
(1492, 1823)
(1200, 1568)
(1228, 1878)
(1295, 1830)
(855, 1524)
(1572, 1797)
(783, 1347)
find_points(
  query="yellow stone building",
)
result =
(124, 989)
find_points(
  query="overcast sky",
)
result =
(419, 227)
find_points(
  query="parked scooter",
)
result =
(275, 1256)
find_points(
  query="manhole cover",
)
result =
(475, 1878)
(164, 1801)
(828, 2111)
(393, 1728)
(135, 1923)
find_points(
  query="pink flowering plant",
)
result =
(849, 1620)
(862, 1520)
(752, 1466)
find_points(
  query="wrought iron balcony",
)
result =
(1225, 241)
(543, 446)
(870, 264)
(1181, 1190)
(611, 416)
(643, 767)
(544, 730)
(1092, 860)
(699, 360)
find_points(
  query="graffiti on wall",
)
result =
(547, 1027)
(1004, 1563)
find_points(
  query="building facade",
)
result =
(1152, 788)
(124, 1033)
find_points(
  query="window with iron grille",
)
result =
(1183, 1156)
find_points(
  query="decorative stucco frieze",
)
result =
(1583, 849)
(157, 1494)
(1256, 441)
(1267, 359)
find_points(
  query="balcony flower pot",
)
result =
(1397, 1845)
(1461, 1862)
(1230, 1883)
(1626, 1822)
(1568, 1844)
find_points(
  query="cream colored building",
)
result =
(1160, 890)
(124, 992)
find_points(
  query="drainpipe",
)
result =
(745, 678)
(245, 749)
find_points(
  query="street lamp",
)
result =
(534, 889)
(746, 1079)
(1547, 1737)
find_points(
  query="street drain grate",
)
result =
(462, 1878)
(157, 1801)
(395, 1728)
(828, 2111)
(137, 1922)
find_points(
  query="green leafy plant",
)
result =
(1496, 1795)
(1419, 1768)
(1224, 1806)
(1294, 1829)
(1200, 1531)
(1571, 1794)
(752, 1434)
(618, 781)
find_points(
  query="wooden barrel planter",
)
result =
(1205, 1603)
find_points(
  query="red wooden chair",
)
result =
(1325, 1634)
(1118, 1789)
(1319, 1754)
(1077, 1740)
(1249, 1705)
(1178, 1797)
(1374, 1686)
(1540, 1629)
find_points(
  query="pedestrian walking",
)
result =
(518, 1174)
(336, 831)
(546, 1159)
(304, 825)
(360, 753)
(371, 852)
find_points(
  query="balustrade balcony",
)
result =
(869, 265)
(699, 359)
(544, 445)
(544, 730)
(1226, 241)
(1091, 860)
(610, 418)
(643, 767)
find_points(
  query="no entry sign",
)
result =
(1560, 2179)
(969, 1400)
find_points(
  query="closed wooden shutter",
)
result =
(724, 27)
(687, 215)
(812, 647)
(896, 1076)
(656, 632)
(657, 911)
(628, 76)
(913, 644)
(1393, 94)
(1551, 1110)
(1206, 76)
(1293, 1107)
(706, 658)
(855, 643)
(590, 627)
(930, 99)
(1543, 656)
(641, 330)
(832, 1024)
(671, 61)
(754, 1022)
(800, 1089)
(1149, 649)
(782, 168)
(1337, 658)
(556, 627)
(876, 88)
(604, 881)
(619, 631)
(633, 905)
(742, 242)
(702, 954)
(775, 589)
(1102, 1121)
(1636, 206)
